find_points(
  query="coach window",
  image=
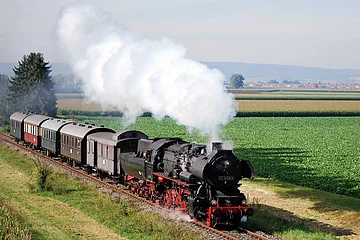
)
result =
(78, 142)
(107, 151)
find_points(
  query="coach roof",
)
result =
(103, 137)
(19, 116)
(81, 130)
(129, 134)
(55, 124)
(36, 119)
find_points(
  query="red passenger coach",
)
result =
(32, 129)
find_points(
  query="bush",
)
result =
(43, 171)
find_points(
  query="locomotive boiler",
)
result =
(185, 176)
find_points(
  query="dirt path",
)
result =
(336, 214)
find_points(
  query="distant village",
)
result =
(301, 85)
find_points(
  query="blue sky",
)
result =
(316, 33)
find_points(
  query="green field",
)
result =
(321, 153)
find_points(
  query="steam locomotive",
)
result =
(169, 171)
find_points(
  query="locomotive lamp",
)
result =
(227, 164)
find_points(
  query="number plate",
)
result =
(226, 178)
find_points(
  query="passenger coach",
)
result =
(32, 129)
(73, 140)
(103, 149)
(17, 125)
(50, 140)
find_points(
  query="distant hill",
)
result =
(251, 72)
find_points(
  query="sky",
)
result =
(311, 33)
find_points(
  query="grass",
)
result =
(11, 227)
(321, 153)
(307, 208)
(270, 222)
(71, 209)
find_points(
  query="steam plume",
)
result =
(136, 75)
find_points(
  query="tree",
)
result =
(66, 84)
(237, 81)
(31, 89)
(273, 81)
(4, 82)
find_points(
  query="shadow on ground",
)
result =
(266, 218)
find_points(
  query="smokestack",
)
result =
(217, 146)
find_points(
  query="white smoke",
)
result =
(176, 215)
(137, 75)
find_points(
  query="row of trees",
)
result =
(273, 81)
(31, 88)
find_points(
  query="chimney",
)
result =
(217, 146)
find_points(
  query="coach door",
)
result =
(91, 158)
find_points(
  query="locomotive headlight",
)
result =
(244, 202)
(213, 202)
(227, 163)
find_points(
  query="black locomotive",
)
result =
(169, 171)
(185, 176)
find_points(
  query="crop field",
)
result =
(297, 95)
(242, 105)
(322, 152)
(77, 104)
(297, 105)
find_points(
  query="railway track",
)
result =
(239, 234)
